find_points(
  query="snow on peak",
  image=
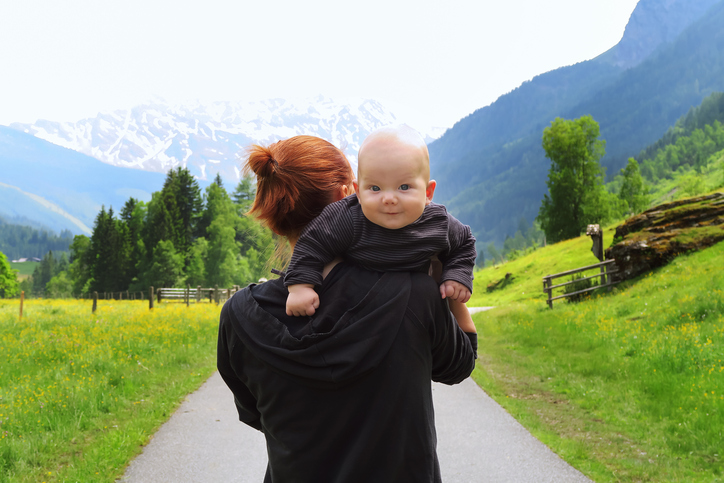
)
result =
(207, 138)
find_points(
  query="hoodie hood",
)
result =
(341, 343)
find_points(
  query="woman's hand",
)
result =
(302, 300)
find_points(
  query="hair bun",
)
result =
(262, 162)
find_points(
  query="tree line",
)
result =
(20, 241)
(182, 236)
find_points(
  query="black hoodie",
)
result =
(345, 395)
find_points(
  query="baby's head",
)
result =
(393, 177)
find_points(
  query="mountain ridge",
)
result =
(69, 186)
(491, 184)
(208, 138)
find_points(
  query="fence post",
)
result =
(198, 294)
(95, 302)
(546, 287)
(216, 294)
(158, 295)
(22, 299)
(188, 294)
(228, 293)
(150, 297)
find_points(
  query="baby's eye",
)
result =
(404, 187)
(375, 188)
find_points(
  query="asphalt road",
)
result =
(478, 441)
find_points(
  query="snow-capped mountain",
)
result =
(210, 138)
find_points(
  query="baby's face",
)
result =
(393, 186)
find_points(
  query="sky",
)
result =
(430, 63)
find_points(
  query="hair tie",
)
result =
(276, 165)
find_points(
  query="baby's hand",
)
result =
(302, 300)
(454, 290)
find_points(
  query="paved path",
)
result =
(478, 441)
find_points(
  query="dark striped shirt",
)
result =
(342, 230)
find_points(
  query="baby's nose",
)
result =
(389, 198)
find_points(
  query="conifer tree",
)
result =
(79, 270)
(167, 267)
(107, 253)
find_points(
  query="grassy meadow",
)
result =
(24, 269)
(80, 393)
(626, 385)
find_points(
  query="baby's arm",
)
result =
(302, 300)
(462, 315)
(458, 262)
(455, 291)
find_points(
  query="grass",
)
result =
(687, 182)
(24, 269)
(80, 393)
(528, 271)
(626, 386)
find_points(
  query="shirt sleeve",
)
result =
(453, 352)
(459, 259)
(324, 238)
(243, 398)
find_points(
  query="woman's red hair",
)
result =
(296, 179)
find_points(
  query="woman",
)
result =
(345, 395)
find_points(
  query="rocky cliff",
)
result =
(658, 235)
(655, 22)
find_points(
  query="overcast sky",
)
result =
(431, 63)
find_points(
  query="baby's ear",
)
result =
(430, 190)
(356, 186)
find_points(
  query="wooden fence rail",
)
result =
(607, 268)
(196, 294)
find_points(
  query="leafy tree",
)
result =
(60, 286)
(223, 265)
(633, 189)
(196, 269)
(575, 178)
(691, 184)
(9, 286)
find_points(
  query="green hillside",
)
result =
(627, 385)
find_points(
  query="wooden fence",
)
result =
(196, 294)
(607, 269)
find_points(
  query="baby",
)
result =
(390, 224)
